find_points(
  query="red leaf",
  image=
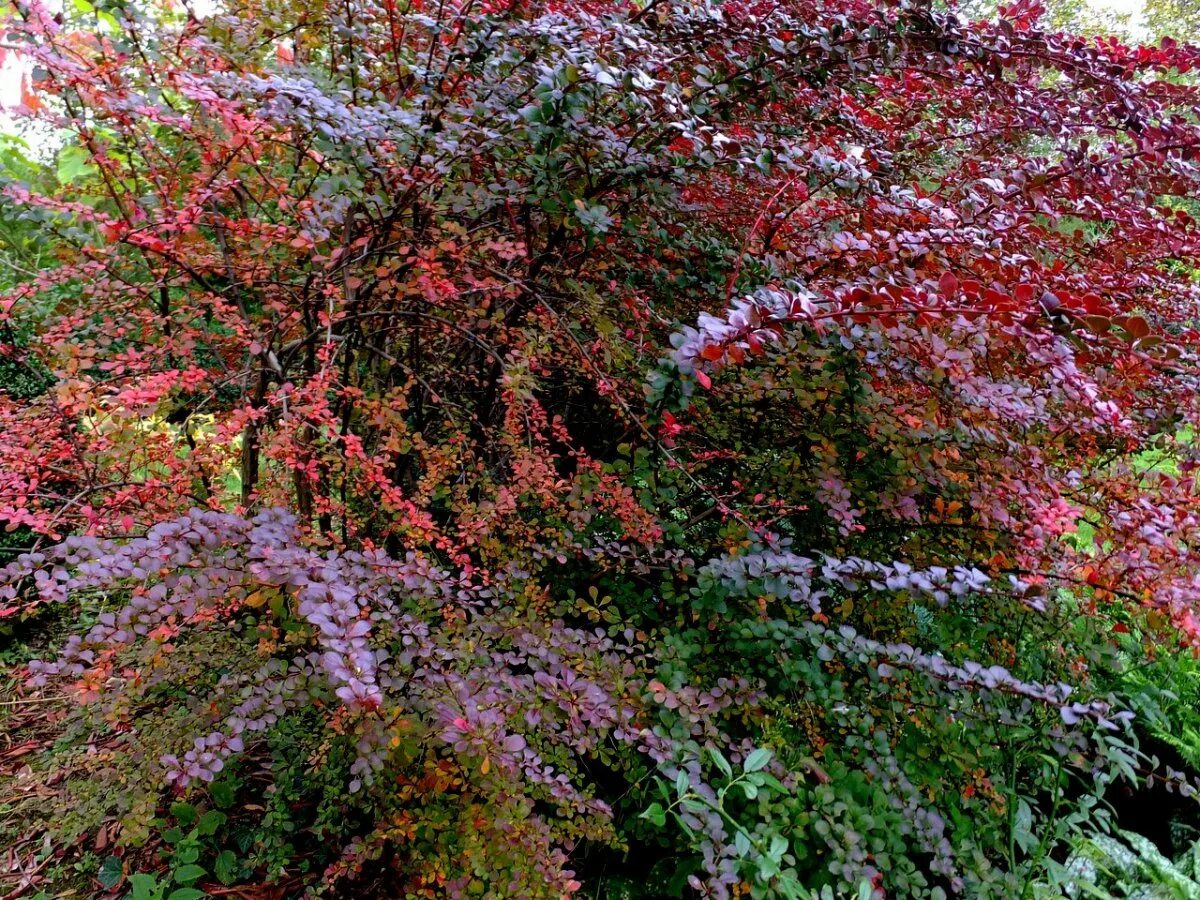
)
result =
(948, 284)
(1137, 326)
(29, 99)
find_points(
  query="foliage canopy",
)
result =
(479, 447)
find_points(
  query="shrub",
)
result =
(494, 445)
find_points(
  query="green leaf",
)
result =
(769, 780)
(187, 852)
(779, 847)
(1023, 827)
(74, 162)
(655, 815)
(721, 762)
(187, 893)
(222, 793)
(111, 872)
(767, 868)
(757, 760)
(144, 887)
(185, 813)
(190, 872)
(681, 783)
(225, 867)
(210, 822)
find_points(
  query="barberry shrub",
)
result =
(500, 446)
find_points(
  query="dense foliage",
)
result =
(519, 447)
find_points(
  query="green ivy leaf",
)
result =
(111, 872)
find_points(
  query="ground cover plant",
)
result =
(515, 448)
